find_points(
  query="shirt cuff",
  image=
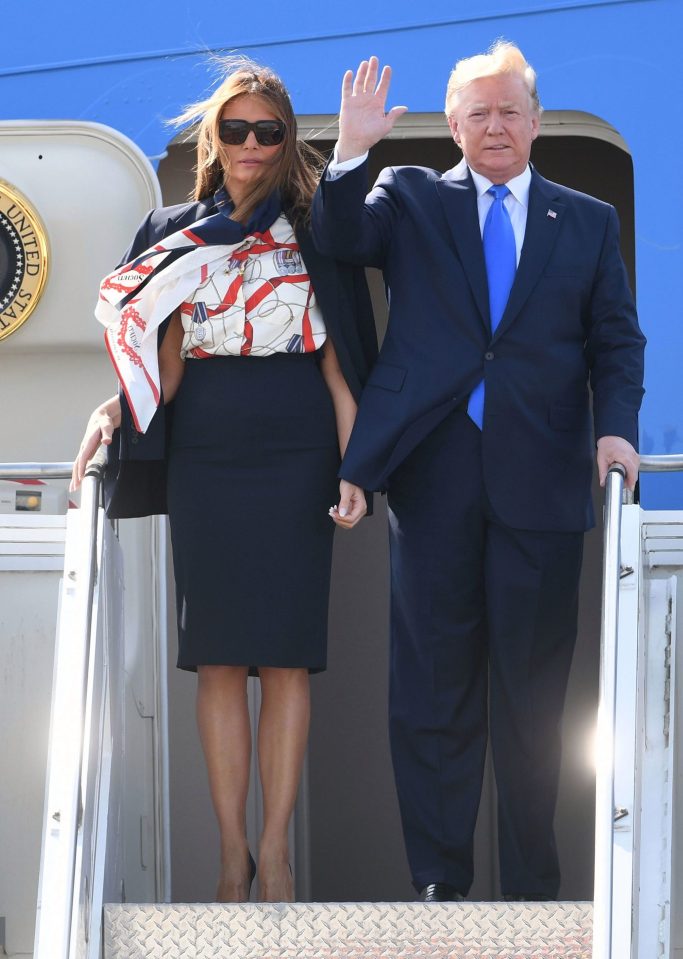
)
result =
(338, 168)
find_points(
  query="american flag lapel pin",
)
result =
(552, 214)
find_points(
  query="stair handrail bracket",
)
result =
(63, 806)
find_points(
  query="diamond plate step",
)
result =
(557, 930)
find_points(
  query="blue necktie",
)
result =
(500, 254)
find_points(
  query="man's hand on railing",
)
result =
(614, 449)
(100, 429)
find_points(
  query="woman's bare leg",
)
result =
(282, 738)
(225, 733)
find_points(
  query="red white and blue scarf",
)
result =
(137, 297)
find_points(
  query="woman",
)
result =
(262, 347)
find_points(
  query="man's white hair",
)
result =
(502, 57)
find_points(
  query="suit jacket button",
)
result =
(488, 356)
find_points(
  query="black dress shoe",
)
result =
(441, 892)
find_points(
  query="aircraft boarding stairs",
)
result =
(82, 910)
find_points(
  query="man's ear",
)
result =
(535, 125)
(453, 125)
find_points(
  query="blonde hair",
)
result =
(502, 57)
(297, 166)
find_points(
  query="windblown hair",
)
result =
(297, 166)
(502, 57)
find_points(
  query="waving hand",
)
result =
(362, 117)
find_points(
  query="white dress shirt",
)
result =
(255, 300)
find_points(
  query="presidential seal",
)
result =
(23, 259)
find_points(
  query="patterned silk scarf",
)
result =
(137, 297)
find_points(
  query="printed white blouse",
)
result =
(258, 303)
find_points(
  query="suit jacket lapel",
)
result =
(544, 218)
(459, 197)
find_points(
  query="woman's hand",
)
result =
(100, 429)
(362, 120)
(352, 506)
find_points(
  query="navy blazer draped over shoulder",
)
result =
(570, 321)
(135, 479)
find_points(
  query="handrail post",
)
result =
(604, 791)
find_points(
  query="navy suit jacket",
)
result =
(135, 478)
(570, 321)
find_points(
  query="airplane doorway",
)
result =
(348, 827)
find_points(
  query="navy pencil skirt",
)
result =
(252, 472)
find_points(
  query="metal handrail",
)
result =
(604, 788)
(615, 495)
(662, 463)
(53, 929)
(19, 471)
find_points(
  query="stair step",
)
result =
(350, 930)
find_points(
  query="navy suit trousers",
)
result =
(483, 627)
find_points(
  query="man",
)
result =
(508, 296)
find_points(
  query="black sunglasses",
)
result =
(269, 133)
